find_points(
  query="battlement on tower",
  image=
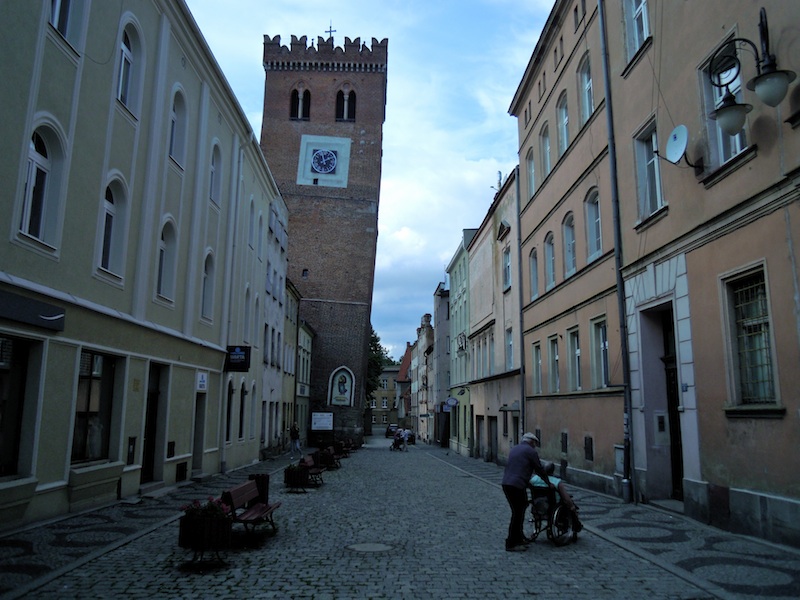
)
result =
(354, 56)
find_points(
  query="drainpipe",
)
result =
(521, 319)
(628, 483)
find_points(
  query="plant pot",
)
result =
(204, 533)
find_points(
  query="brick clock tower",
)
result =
(322, 136)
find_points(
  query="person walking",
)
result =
(294, 436)
(523, 461)
(405, 440)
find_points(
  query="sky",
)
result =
(453, 69)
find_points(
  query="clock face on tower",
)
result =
(323, 161)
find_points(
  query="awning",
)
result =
(513, 408)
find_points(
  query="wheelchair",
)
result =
(553, 517)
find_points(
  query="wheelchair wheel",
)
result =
(532, 524)
(560, 527)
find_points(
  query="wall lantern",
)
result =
(770, 83)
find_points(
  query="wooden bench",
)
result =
(315, 470)
(247, 507)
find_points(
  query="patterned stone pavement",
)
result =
(389, 525)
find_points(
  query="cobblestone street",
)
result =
(420, 524)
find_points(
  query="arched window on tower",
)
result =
(300, 104)
(345, 106)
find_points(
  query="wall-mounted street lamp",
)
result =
(770, 83)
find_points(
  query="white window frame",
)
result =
(562, 122)
(506, 268)
(599, 342)
(536, 372)
(585, 90)
(594, 225)
(553, 374)
(533, 262)
(167, 262)
(570, 259)
(722, 147)
(637, 25)
(574, 348)
(549, 261)
(544, 150)
(531, 163)
(509, 349)
(648, 172)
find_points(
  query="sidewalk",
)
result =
(388, 525)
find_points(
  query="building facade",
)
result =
(322, 134)
(710, 264)
(132, 272)
(574, 380)
(440, 376)
(461, 422)
(385, 404)
(494, 337)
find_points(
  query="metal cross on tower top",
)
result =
(330, 31)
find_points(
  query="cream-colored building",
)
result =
(494, 325)
(141, 218)
(461, 422)
(573, 371)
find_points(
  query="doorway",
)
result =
(198, 442)
(151, 423)
(661, 397)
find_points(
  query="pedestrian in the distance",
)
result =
(523, 461)
(405, 440)
(294, 435)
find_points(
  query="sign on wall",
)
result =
(321, 421)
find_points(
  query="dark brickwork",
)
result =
(332, 231)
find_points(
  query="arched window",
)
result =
(533, 261)
(569, 245)
(549, 261)
(207, 293)
(300, 104)
(129, 69)
(167, 250)
(531, 163)
(594, 240)
(215, 176)
(39, 216)
(345, 105)
(112, 228)
(251, 227)
(177, 131)
(563, 124)
(585, 93)
(544, 149)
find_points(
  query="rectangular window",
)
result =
(93, 407)
(637, 26)
(722, 147)
(506, 268)
(753, 360)
(599, 354)
(555, 382)
(536, 372)
(574, 360)
(648, 173)
(509, 350)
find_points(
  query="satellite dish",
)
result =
(676, 144)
